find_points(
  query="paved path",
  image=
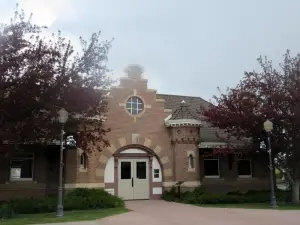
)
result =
(166, 213)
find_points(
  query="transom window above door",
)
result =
(134, 105)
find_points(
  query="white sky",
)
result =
(186, 47)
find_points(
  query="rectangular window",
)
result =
(21, 167)
(156, 173)
(141, 168)
(244, 168)
(125, 170)
(211, 167)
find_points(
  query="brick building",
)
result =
(156, 140)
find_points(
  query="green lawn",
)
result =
(68, 217)
(253, 206)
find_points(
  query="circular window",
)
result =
(134, 105)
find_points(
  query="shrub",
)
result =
(6, 211)
(200, 196)
(77, 199)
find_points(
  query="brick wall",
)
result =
(229, 180)
(24, 189)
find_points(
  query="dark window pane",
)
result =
(156, 173)
(21, 168)
(125, 170)
(134, 105)
(26, 169)
(191, 161)
(128, 105)
(141, 170)
(244, 167)
(211, 168)
(134, 112)
(141, 107)
(139, 101)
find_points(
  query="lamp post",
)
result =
(268, 127)
(62, 118)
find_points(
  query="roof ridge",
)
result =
(179, 95)
(185, 96)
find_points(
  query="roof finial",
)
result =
(134, 71)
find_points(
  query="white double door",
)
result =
(133, 179)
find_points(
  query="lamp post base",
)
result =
(60, 211)
(273, 202)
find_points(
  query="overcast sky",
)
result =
(187, 47)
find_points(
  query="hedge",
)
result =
(200, 196)
(77, 199)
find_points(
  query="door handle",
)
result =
(132, 182)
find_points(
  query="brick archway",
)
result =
(138, 141)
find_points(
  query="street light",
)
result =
(62, 118)
(268, 127)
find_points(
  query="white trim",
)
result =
(213, 176)
(96, 117)
(191, 184)
(182, 122)
(20, 179)
(168, 184)
(85, 185)
(222, 144)
(209, 177)
(82, 170)
(185, 184)
(191, 170)
(244, 176)
(151, 90)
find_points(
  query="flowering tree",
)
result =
(40, 75)
(272, 94)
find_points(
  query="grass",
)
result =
(69, 216)
(253, 206)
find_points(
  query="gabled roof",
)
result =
(173, 101)
(189, 113)
(183, 111)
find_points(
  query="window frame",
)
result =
(191, 162)
(84, 164)
(211, 176)
(137, 101)
(20, 158)
(251, 172)
(156, 173)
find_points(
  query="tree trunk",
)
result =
(295, 192)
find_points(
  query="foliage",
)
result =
(272, 94)
(77, 199)
(200, 196)
(40, 75)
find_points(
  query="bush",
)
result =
(77, 199)
(200, 196)
(6, 211)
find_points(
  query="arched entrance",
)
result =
(136, 173)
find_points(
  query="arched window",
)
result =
(83, 161)
(191, 161)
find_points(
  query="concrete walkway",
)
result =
(167, 213)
